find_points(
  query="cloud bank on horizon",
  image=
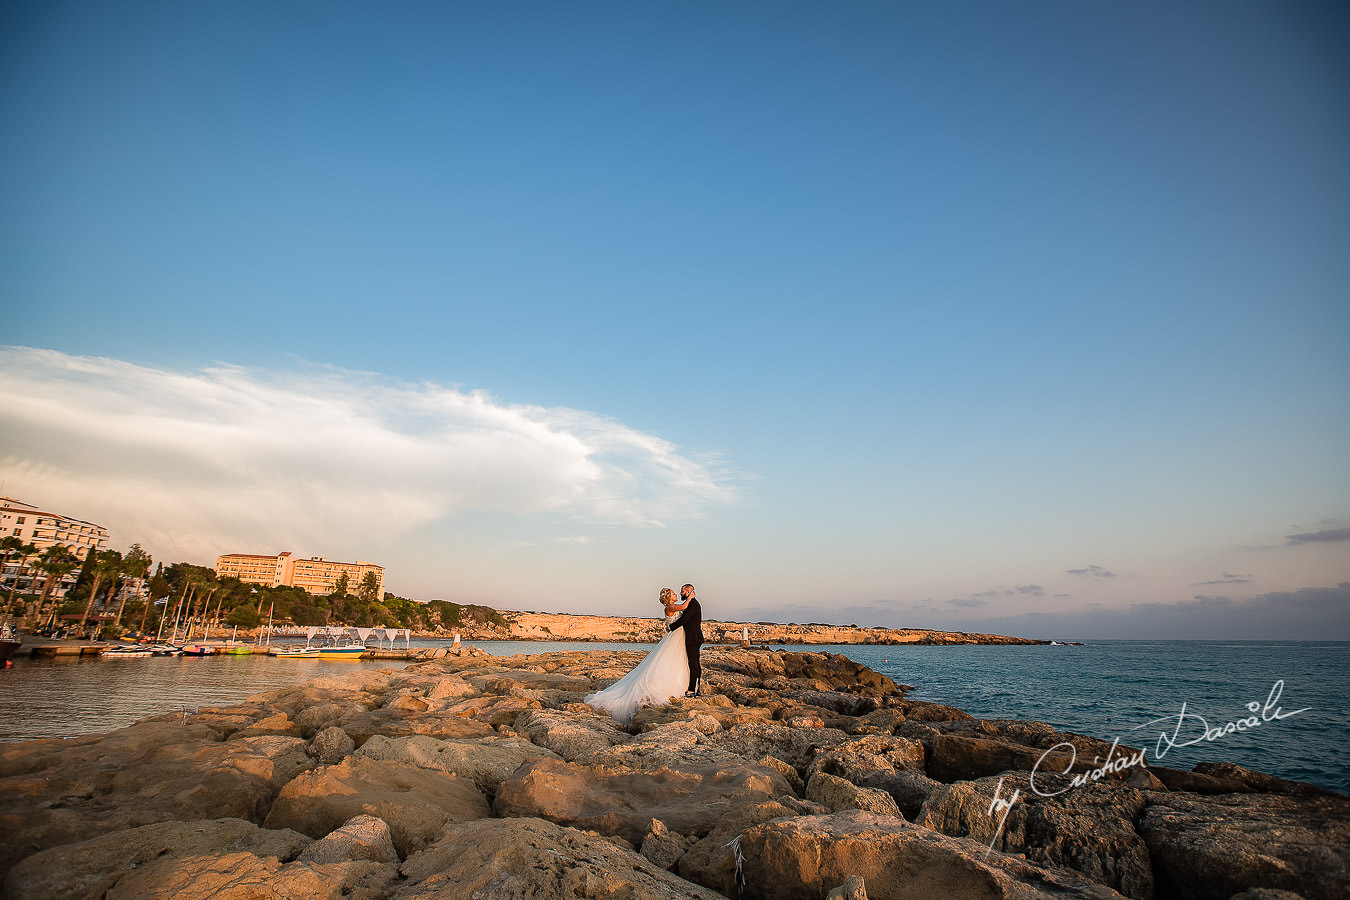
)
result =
(228, 458)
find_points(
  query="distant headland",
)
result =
(539, 626)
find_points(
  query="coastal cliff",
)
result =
(535, 626)
(795, 776)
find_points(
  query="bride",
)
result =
(662, 674)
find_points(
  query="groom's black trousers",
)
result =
(693, 643)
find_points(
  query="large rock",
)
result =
(487, 762)
(712, 861)
(531, 858)
(621, 801)
(416, 803)
(880, 762)
(1209, 848)
(804, 858)
(331, 746)
(795, 746)
(362, 837)
(138, 775)
(836, 795)
(837, 673)
(246, 876)
(570, 734)
(953, 757)
(92, 868)
(1090, 829)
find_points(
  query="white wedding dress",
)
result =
(662, 674)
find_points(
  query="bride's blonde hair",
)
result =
(667, 597)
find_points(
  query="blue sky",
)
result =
(1022, 317)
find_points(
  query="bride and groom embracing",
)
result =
(670, 670)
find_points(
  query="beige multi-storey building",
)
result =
(317, 575)
(44, 528)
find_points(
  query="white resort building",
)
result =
(317, 575)
(43, 528)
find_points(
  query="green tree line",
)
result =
(182, 592)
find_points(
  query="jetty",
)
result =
(792, 776)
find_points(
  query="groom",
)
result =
(691, 620)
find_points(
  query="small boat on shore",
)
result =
(126, 650)
(342, 651)
(198, 650)
(9, 642)
(296, 652)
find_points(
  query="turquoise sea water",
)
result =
(1109, 689)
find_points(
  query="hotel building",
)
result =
(317, 575)
(44, 528)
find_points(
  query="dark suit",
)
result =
(691, 620)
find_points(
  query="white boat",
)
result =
(126, 650)
(297, 652)
(342, 651)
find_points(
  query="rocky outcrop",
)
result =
(805, 857)
(536, 859)
(416, 803)
(533, 626)
(794, 775)
(1211, 847)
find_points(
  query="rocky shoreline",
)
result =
(536, 626)
(796, 775)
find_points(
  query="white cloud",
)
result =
(228, 457)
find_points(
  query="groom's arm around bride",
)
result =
(691, 620)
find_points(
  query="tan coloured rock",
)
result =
(796, 747)
(952, 757)
(531, 858)
(492, 710)
(361, 837)
(331, 745)
(129, 778)
(1090, 829)
(837, 795)
(622, 801)
(804, 857)
(87, 870)
(366, 723)
(244, 876)
(416, 803)
(711, 860)
(883, 762)
(277, 724)
(1273, 841)
(663, 846)
(487, 761)
(569, 734)
(853, 889)
(451, 687)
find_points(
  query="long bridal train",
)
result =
(662, 674)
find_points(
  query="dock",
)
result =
(37, 646)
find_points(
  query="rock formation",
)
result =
(796, 776)
(536, 626)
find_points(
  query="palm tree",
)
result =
(136, 564)
(10, 545)
(55, 562)
(105, 564)
(24, 551)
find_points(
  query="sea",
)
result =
(1281, 707)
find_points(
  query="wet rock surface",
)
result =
(795, 775)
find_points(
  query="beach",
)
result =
(793, 775)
